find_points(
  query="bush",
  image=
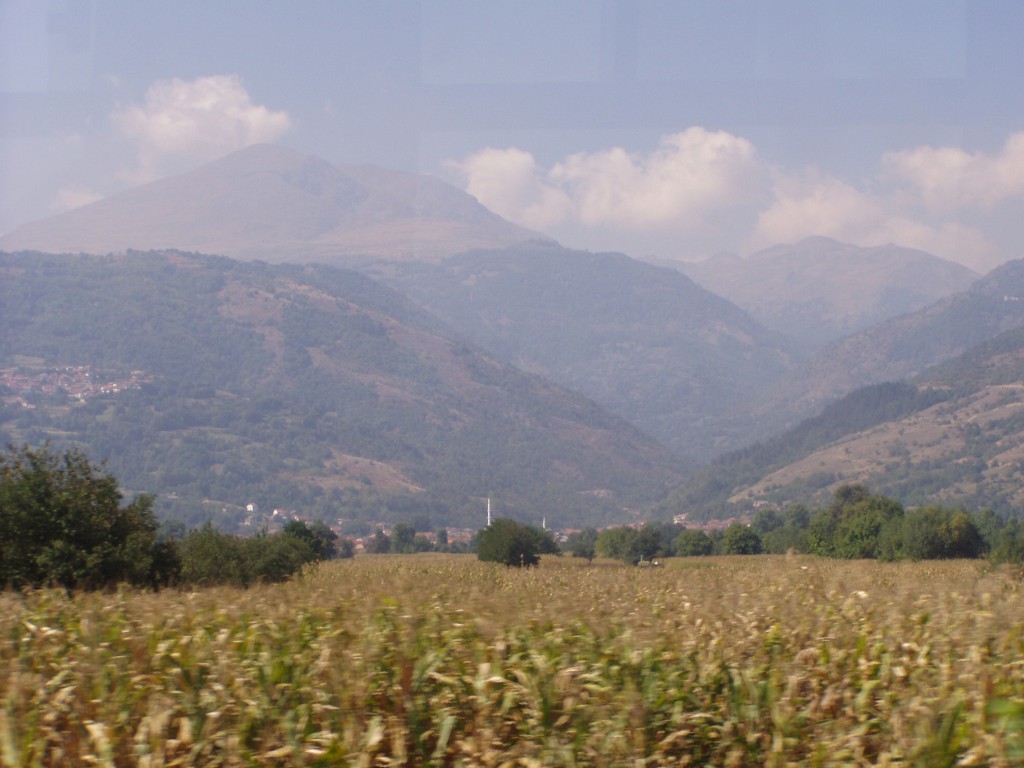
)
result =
(933, 533)
(322, 541)
(212, 557)
(583, 543)
(738, 539)
(693, 543)
(514, 544)
(209, 556)
(61, 522)
(632, 545)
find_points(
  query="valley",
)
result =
(313, 367)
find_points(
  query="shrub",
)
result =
(693, 543)
(738, 539)
(61, 522)
(212, 557)
(514, 544)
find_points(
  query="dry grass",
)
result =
(442, 660)
(935, 436)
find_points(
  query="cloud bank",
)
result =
(701, 188)
(675, 188)
(948, 178)
(186, 122)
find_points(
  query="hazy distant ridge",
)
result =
(644, 341)
(274, 204)
(819, 290)
(906, 345)
(952, 432)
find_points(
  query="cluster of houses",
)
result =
(278, 518)
(77, 382)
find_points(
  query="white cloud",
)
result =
(688, 176)
(509, 182)
(704, 191)
(814, 204)
(691, 175)
(949, 178)
(194, 121)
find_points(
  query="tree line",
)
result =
(855, 524)
(62, 523)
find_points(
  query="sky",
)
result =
(661, 128)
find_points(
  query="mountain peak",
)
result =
(820, 289)
(275, 204)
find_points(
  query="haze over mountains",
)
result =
(906, 345)
(644, 341)
(327, 384)
(953, 435)
(271, 203)
(301, 387)
(819, 290)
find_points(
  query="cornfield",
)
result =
(443, 660)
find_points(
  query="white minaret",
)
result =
(488, 511)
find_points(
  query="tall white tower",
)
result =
(488, 511)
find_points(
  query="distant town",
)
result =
(23, 387)
(275, 520)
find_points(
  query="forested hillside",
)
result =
(954, 435)
(643, 341)
(710, 493)
(906, 345)
(306, 388)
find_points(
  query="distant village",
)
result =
(77, 382)
(276, 519)
(24, 388)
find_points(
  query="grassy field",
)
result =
(442, 660)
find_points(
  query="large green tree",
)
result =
(62, 523)
(634, 545)
(740, 539)
(852, 525)
(693, 542)
(321, 540)
(511, 543)
(583, 543)
(403, 538)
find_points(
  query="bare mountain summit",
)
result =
(271, 203)
(819, 290)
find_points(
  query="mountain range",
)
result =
(644, 341)
(943, 424)
(300, 387)
(470, 356)
(270, 203)
(904, 346)
(818, 290)
(953, 435)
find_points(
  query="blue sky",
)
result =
(666, 128)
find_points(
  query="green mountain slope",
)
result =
(953, 435)
(899, 348)
(643, 341)
(719, 490)
(307, 388)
